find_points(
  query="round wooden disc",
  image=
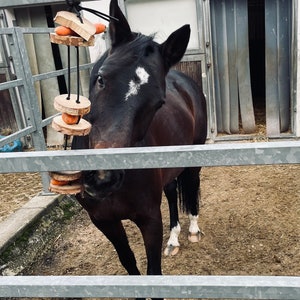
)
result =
(82, 128)
(65, 176)
(82, 27)
(71, 107)
(69, 189)
(71, 40)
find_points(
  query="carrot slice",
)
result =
(100, 27)
(63, 30)
(70, 119)
(58, 182)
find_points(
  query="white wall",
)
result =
(100, 44)
(163, 17)
(157, 16)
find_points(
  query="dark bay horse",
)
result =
(136, 100)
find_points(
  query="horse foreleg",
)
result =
(152, 232)
(115, 232)
(170, 191)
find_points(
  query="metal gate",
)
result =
(41, 57)
(26, 105)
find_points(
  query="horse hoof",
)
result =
(171, 250)
(194, 237)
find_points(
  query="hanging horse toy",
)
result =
(73, 30)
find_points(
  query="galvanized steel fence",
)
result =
(210, 287)
(182, 287)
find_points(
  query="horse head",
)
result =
(127, 88)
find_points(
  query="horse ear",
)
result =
(119, 30)
(174, 47)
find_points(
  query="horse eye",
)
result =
(101, 81)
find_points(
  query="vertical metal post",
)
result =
(30, 100)
(277, 20)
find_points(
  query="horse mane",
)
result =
(131, 51)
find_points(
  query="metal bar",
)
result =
(34, 30)
(220, 287)
(31, 102)
(29, 3)
(272, 67)
(17, 135)
(238, 154)
(6, 30)
(232, 65)
(27, 30)
(60, 72)
(11, 84)
(48, 121)
(208, 81)
(283, 48)
(215, 16)
(243, 67)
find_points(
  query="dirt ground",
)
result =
(249, 216)
(16, 190)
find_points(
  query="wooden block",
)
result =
(80, 129)
(69, 19)
(70, 189)
(70, 106)
(66, 175)
(70, 40)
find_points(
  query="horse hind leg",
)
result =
(189, 188)
(173, 245)
(194, 230)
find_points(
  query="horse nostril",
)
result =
(102, 174)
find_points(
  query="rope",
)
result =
(74, 5)
(69, 74)
(77, 63)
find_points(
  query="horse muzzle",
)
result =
(102, 183)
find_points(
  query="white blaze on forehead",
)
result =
(135, 86)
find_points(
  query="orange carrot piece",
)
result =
(58, 182)
(63, 30)
(100, 27)
(70, 119)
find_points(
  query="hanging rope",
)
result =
(69, 74)
(78, 73)
(74, 5)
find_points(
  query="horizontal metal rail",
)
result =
(17, 135)
(11, 84)
(235, 154)
(217, 287)
(28, 3)
(61, 72)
